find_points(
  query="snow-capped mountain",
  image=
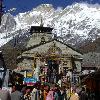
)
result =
(73, 24)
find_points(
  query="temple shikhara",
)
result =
(46, 55)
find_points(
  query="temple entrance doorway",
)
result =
(53, 70)
(53, 59)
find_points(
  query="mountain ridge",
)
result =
(75, 24)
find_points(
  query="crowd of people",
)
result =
(40, 91)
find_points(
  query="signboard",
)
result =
(29, 74)
(30, 81)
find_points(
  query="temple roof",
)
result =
(40, 29)
(34, 46)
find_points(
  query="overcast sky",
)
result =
(26, 5)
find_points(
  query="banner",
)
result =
(30, 81)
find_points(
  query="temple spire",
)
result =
(41, 24)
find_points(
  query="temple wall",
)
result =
(26, 64)
(36, 38)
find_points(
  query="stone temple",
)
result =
(44, 50)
